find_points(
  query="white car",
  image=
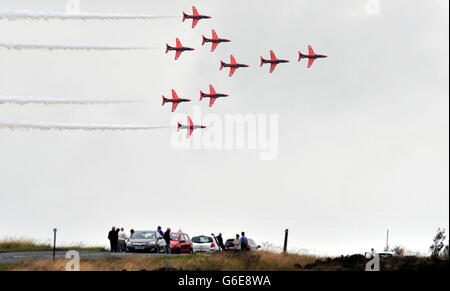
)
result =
(205, 244)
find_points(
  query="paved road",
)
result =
(13, 258)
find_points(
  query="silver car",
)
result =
(253, 246)
(149, 241)
(204, 243)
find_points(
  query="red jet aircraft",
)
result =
(273, 61)
(179, 49)
(215, 40)
(190, 127)
(312, 56)
(175, 100)
(195, 16)
(233, 65)
(212, 95)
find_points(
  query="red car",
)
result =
(180, 243)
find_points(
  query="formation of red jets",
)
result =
(233, 65)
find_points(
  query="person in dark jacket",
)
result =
(167, 239)
(220, 242)
(113, 237)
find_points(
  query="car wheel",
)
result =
(157, 250)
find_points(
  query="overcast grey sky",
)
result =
(363, 135)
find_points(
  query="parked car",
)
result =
(204, 243)
(229, 245)
(146, 241)
(180, 243)
(252, 246)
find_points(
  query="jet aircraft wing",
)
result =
(214, 34)
(174, 95)
(179, 43)
(232, 70)
(177, 54)
(214, 46)
(194, 22)
(233, 60)
(194, 11)
(272, 56)
(174, 106)
(272, 67)
(211, 90)
(311, 51)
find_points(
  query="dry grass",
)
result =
(28, 245)
(258, 261)
(22, 245)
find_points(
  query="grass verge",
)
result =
(257, 261)
(9, 245)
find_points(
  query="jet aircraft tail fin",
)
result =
(222, 64)
(184, 16)
(262, 61)
(163, 100)
(204, 40)
(167, 48)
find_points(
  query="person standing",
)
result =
(113, 239)
(237, 243)
(244, 242)
(131, 233)
(167, 239)
(220, 242)
(122, 240)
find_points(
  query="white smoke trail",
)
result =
(48, 46)
(48, 15)
(40, 125)
(22, 100)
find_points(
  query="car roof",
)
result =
(144, 231)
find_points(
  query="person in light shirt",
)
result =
(122, 240)
(237, 243)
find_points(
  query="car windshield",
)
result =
(202, 239)
(174, 237)
(144, 235)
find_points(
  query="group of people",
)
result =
(118, 240)
(240, 242)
